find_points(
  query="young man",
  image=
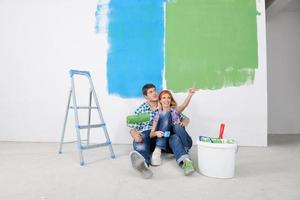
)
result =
(179, 142)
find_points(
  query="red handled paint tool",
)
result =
(222, 126)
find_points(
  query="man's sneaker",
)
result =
(138, 163)
(156, 157)
(187, 167)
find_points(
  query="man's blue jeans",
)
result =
(178, 143)
(143, 147)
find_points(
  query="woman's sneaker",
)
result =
(187, 167)
(156, 157)
(138, 163)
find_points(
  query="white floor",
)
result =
(35, 171)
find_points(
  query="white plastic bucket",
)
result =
(216, 159)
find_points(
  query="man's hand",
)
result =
(138, 137)
(184, 122)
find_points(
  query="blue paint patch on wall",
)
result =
(136, 39)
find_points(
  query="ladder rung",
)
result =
(91, 126)
(90, 146)
(73, 141)
(84, 107)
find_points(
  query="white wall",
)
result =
(41, 40)
(283, 47)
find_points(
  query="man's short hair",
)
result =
(146, 87)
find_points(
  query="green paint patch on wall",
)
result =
(212, 43)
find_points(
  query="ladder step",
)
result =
(91, 126)
(84, 107)
(73, 141)
(90, 146)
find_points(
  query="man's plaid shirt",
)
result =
(146, 109)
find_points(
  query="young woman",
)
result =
(167, 116)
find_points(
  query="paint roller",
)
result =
(134, 119)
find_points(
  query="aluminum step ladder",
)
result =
(80, 144)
